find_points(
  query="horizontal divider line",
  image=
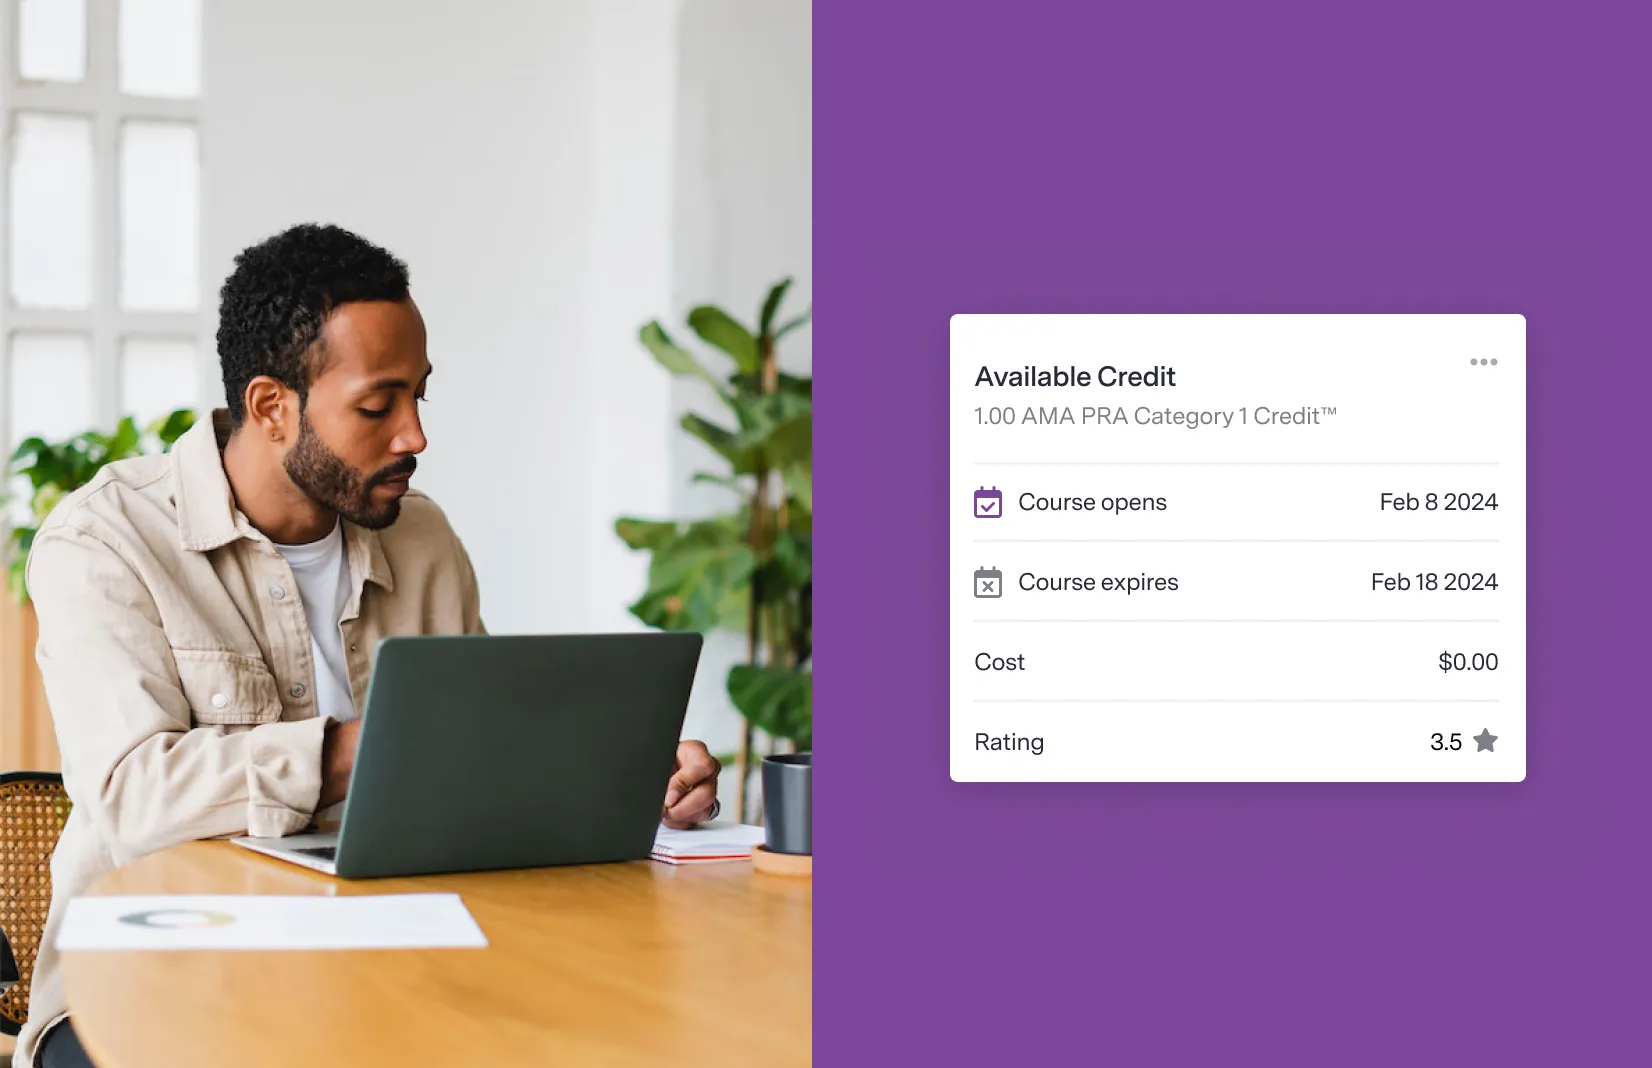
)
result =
(1235, 621)
(1245, 541)
(1236, 463)
(1236, 700)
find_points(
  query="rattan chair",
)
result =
(33, 807)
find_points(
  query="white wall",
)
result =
(742, 196)
(463, 149)
(743, 184)
(635, 70)
(554, 174)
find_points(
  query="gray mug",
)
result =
(787, 803)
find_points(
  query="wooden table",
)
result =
(613, 964)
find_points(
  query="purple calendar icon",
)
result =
(989, 503)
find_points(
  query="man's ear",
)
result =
(272, 408)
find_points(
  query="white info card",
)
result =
(1238, 547)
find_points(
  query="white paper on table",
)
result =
(241, 921)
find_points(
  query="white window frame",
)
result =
(98, 97)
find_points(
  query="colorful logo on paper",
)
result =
(178, 919)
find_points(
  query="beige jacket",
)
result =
(178, 669)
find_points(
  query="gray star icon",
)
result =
(1484, 740)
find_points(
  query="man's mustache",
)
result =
(396, 470)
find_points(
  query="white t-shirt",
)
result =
(323, 576)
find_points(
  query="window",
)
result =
(101, 310)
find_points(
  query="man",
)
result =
(208, 618)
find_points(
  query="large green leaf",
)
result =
(766, 411)
(800, 484)
(728, 482)
(771, 305)
(171, 427)
(704, 613)
(792, 559)
(776, 700)
(799, 515)
(56, 470)
(28, 449)
(82, 455)
(125, 441)
(776, 432)
(694, 574)
(791, 325)
(788, 567)
(725, 442)
(41, 463)
(752, 385)
(44, 500)
(674, 359)
(644, 533)
(774, 429)
(716, 327)
(794, 554)
(791, 443)
(733, 609)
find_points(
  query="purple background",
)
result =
(1417, 157)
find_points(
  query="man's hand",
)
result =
(338, 759)
(692, 792)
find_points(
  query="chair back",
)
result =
(33, 807)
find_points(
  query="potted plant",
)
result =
(56, 470)
(53, 470)
(748, 569)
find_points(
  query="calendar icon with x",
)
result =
(989, 582)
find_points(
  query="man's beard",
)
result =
(332, 483)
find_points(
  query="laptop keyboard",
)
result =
(324, 852)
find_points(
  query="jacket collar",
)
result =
(208, 518)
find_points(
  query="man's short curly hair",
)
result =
(274, 303)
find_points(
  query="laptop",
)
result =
(482, 752)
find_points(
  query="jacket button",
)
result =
(219, 700)
(297, 690)
(277, 592)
